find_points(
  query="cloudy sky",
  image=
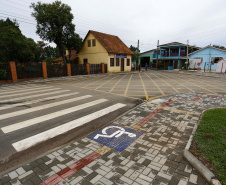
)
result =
(202, 22)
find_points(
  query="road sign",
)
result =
(115, 136)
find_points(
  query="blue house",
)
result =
(170, 56)
(206, 58)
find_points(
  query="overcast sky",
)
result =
(202, 22)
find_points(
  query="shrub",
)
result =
(3, 74)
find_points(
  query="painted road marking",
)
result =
(50, 116)
(41, 107)
(116, 84)
(195, 84)
(115, 136)
(37, 101)
(36, 95)
(91, 83)
(155, 84)
(167, 76)
(19, 87)
(33, 140)
(127, 87)
(12, 93)
(166, 83)
(145, 92)
(30, 92)
(105, 82)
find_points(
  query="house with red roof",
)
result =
(100, 48)
(71, 56)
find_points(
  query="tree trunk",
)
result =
(62, 52)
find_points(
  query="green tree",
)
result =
(54, 23)
(74, 43)
(14, 46)
(135, 57)
(220, 47)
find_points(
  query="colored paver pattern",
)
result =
(155, 157)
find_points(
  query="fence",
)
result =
(56, 70)
(5, 72)
(14, 71)
(78, 69)
(95, 68)
(28, 70)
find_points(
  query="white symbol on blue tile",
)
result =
(115, 136)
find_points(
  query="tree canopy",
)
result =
(135, 57)
(218, 46)
(14, 46)
(54, 24)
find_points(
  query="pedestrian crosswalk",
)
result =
(52, 110)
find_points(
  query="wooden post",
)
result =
(102, 67)
(88, 68)
(68, 69)
(205, 67)
(44, 69)
(13, 71)
(222, 67)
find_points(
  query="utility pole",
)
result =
(157, 54)
(138, 52)
(187, 55)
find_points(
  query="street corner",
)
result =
(115, 136)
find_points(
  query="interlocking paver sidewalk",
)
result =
(154, 156)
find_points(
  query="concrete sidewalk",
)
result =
(143, 146)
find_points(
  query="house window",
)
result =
(112, 62)
(85, 60)
(216, 59)
(94, 42)
(117, 61)
(128, 62)
(89, 43)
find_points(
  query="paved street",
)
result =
(147, 150)
(147, 85)
(42, 111)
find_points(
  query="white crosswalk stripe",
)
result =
(37, 101)
(33, 96)
(26, 111)
(30, 92)
(47, 117)
(33, 109)
(9, 93)
(33, 140)
(19, 87)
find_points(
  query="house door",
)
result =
(122, 64)
(175, 64)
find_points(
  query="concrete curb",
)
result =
(203, 170)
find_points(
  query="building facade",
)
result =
(168, 56)
(100, 48)
(206, 58)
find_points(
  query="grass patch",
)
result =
(210, 141)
